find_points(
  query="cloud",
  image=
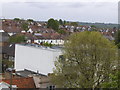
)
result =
(46, 5)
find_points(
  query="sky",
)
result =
(103, 11)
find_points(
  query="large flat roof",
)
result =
(53, 48)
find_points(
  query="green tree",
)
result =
(62, 31)
(54, 24)
(30, 20)
(60, 22)
(117, 39)
(64, 22)
(88, 59)
(24, 26)
(74, 23)
(17, 39)
(16, 19)
(114, 81)
(93, 26)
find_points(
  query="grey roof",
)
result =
(9, 50)
(26, 73)
(4, 36)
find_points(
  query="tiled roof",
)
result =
(22, 82)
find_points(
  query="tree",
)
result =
(93, 26)
(24, 26)
(60, 22)
(114, 81)
(30, 20)
(87, 61)
(54, 24)
(62, 31)
(74, 23)
(64, 22)
(17, 39)
(16, 19)
(117, 39)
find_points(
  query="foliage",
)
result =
(17, 39)
(47, 44)
(24, 26)
(114, 81)
(93, 26)
(64, 22)
(74, 23)
(30, 20)
(60, 22)
(16, 19)
(6, 64)
(88, 61)
(117, 39)
(54, 24)
(61, 32)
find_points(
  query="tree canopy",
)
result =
(88, 59)
(17, 39)
(54, 24)
(24, 26)
(117, 39)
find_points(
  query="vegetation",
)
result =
(74, 23)
(30, 20)
(54, 24)
(61, 32)
(87, 61)
(47, 44)
(117, 39)
(24, 26)
(114, 81)
(17, 39)
(93, 26)
(6, 64)
(60, 22)
(16, 19)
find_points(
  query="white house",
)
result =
(30, 30)
(35, 58)
(52, 41)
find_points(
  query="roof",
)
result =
(26, 73)
(4, 36)
(22, 82)
(9, 50)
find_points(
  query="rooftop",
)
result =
(21, 82)
(53, 48)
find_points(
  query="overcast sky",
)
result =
(89, 11)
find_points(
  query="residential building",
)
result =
(20, 82)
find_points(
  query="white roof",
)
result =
(2, 31)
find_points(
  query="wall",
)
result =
(35, 58)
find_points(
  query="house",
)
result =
(4, 85)
(52, 41)
(40, 80)
(20, 82)
(30, 31)
(36, 58)
(4, 37)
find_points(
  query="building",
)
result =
(52, 41)
(36, 58)
(3, 42)
(19, 82)
(4, 85)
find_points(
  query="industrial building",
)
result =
(36, 58)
